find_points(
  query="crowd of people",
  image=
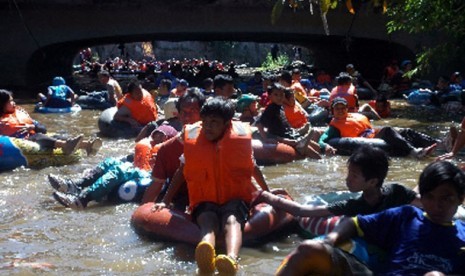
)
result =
(187, 118)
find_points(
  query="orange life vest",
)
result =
(295, 115)
(347, 92)
(143, 152)
(382, 113)
(218, 171)
(143, 111)
(300, 93)
(11, 123)
(355, 125)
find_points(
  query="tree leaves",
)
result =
(277, 11)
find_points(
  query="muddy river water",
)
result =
(40, 237)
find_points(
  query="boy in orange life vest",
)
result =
(218, 169)
(137, 107)
(349, 125)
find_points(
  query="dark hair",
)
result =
(192, 94)
(4, 99)
(103, 73)
(275, 85)
(343, 78)
(286, 76)
(381, 98)
(132, 85)
(270, 77)
(166, 82)
(295, 71)
(373, 162)
(221, 80)
(288, 92)
(439, 173)
(219, 106)
(207, 82)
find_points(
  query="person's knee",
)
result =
(311, 248)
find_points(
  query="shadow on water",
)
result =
(38, 236)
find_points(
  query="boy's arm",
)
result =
(176, 182)
(292, 207)
(258, 176)
(345, 230)
(152, 192)
(262, 131)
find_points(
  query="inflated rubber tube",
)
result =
(94, 100)
(16, 152)
(345, 146)
(113, 129)
(173, 225)
(319, 116)
(273, 153)
(44, 109)
(365, 93)
(316, 226)
(419, 97)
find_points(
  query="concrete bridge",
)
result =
(41, 38)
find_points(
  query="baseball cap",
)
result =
(338, 100)
(245, 101)
(170, 109)
(183, 82)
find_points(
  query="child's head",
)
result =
(381, 102)
(289, 96)
(370, 162)
(189, 105)
(164, 86)
(285, 78)
(162, 133)
(247, 102)
(216, 115)
(442, 190)
(344, 79)
(276, 93)
(223, 85)
(6, 105)
(135, 89)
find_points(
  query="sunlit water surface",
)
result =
(37, 231)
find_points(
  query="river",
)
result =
(40, 237)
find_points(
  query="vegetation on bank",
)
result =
(271, 64)
(442, 20)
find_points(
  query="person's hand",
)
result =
(158, 207)
(445, 156)
(279, 191)
(257, 197)
(23, 130)
(330, 150)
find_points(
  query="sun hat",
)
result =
(337, 101)
(168, 130)
(245, 101)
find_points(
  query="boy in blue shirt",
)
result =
(416, 241)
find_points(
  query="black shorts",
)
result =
(344, 263)
(235, 207)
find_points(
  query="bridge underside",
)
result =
(43, 41)
(329, 52)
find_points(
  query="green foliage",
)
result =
(442, 19)
(280, 62)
